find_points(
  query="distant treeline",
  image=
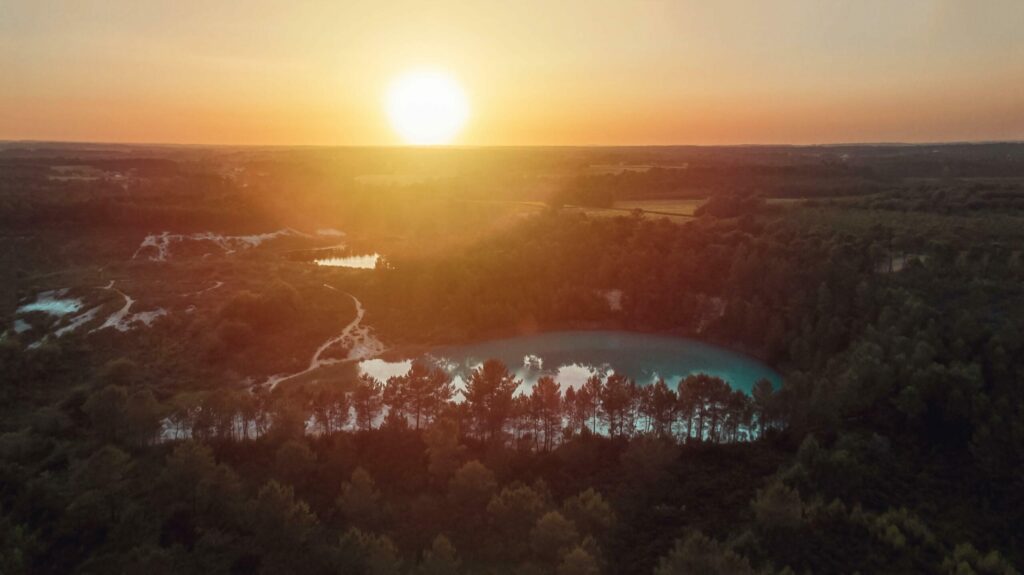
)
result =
(179, 201)
(143, 167)
(702, 182)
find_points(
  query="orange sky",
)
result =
(535, 72)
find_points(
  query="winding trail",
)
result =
(116, 319)
(362, 346)
(215, 285)
(122, 319)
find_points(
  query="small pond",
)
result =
(364, 262)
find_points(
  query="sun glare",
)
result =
(427, 107)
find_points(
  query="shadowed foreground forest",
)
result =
(895, 443)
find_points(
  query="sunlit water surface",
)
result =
(365, 262)
(573, 356)
(52, 305)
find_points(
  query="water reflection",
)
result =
(52, 303)
(382, 370)
(572, 375)
(573, 357)
(365, 262)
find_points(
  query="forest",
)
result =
(892, 309)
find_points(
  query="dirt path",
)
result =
(362, 345)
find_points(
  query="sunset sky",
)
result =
(533, 72)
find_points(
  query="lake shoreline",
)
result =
(406, 350)
(643, 356)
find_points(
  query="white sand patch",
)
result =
(78, 321)
(161, 243)
(147, 317)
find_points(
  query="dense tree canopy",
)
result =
(894, 444)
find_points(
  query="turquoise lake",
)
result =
(573, 356)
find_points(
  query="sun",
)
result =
(427, 107)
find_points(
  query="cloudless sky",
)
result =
(535, 71)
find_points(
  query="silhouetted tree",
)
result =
(367, 401)
(426, 390)
(546, 398)
(489, 395)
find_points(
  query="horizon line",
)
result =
(879, 143)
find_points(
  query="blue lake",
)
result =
(573, 356)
